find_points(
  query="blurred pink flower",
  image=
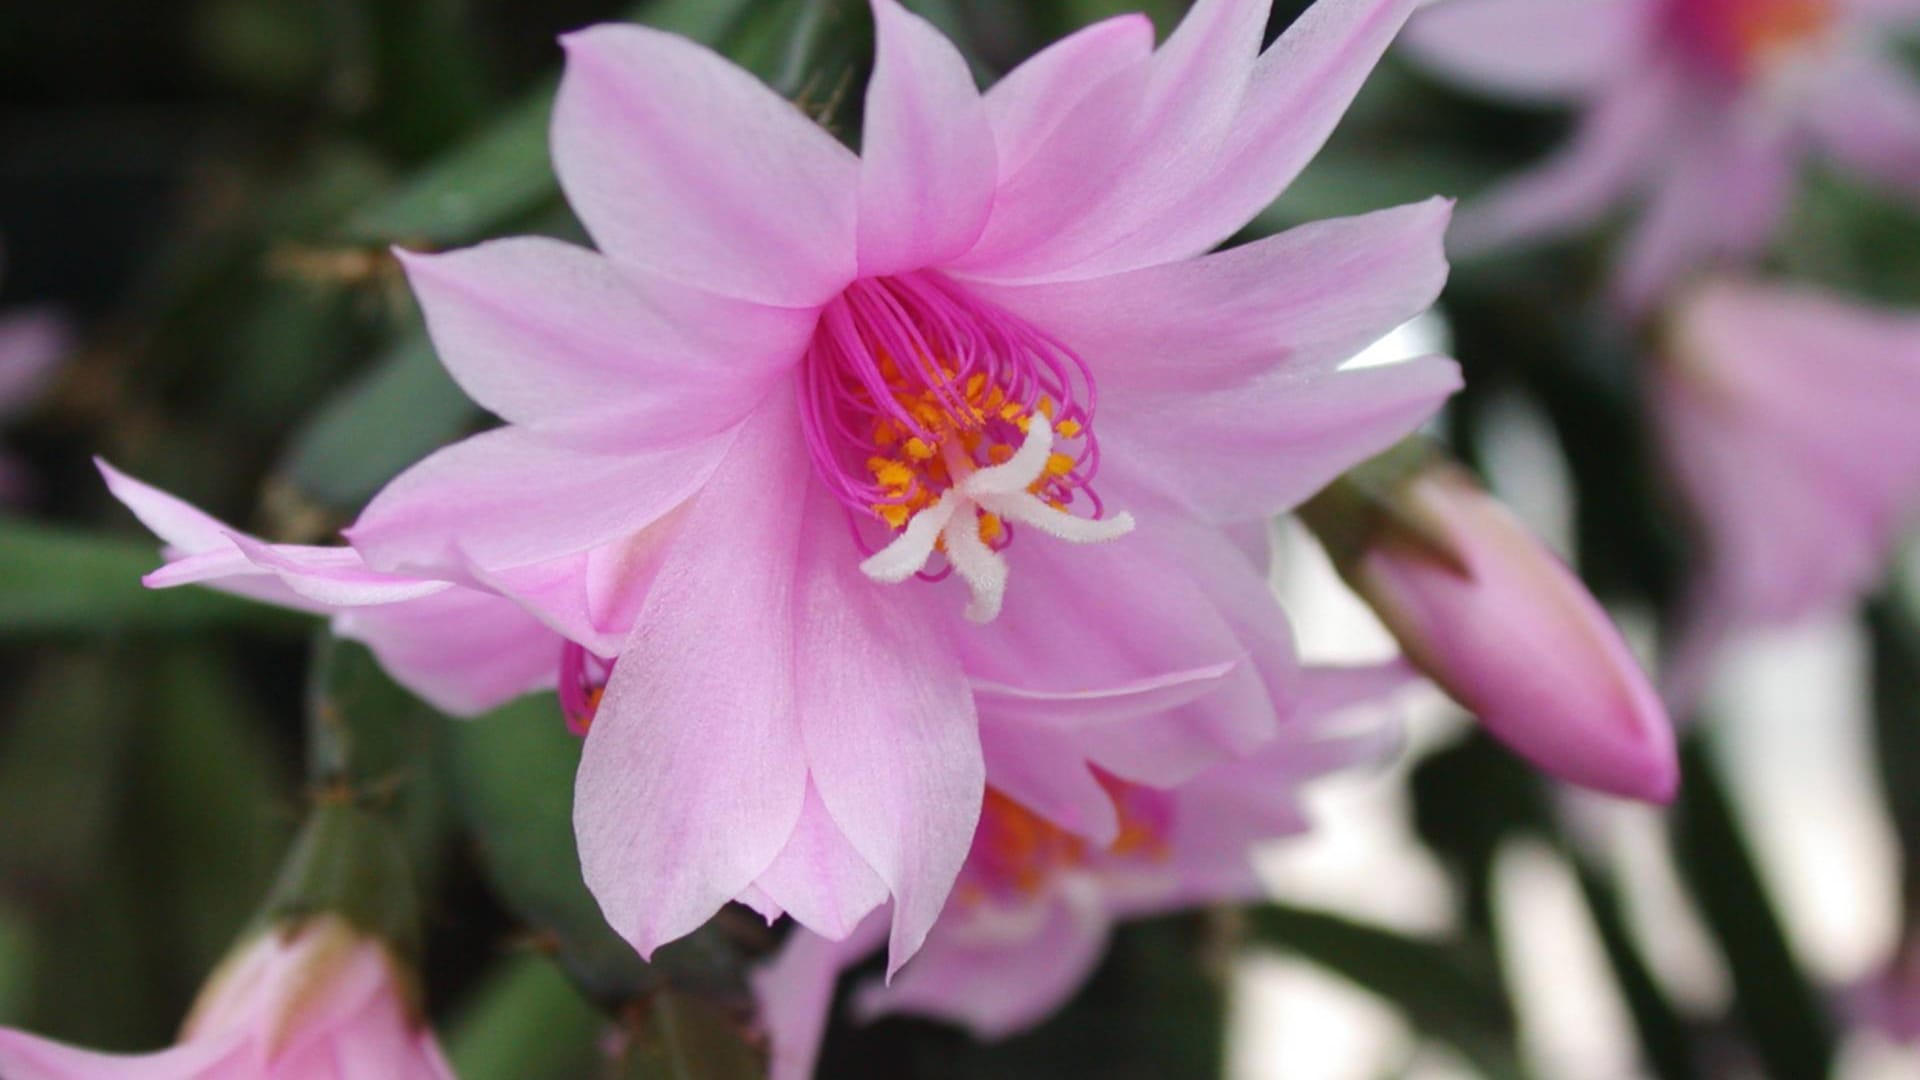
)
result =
(1482, 607)
(1787, 417)
(316, 1002)
(32, 345)
(1703, 109)
(795, 378)
(462, 649)
(1029, 919)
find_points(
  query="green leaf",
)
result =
(57, 580)
(1774, 1000)
(526, 1020)
(397, 412)
(1449, 992)
(502, 173)
(211, 814)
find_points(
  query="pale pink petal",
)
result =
(682, 162)
(1025, 107)
(1306, 299)
(889, 725)
(1137, 614)
(175, 521)
(1126, 150)
(551, 335)
(508, 498)
(1072, 710)
(819, 878)
(795, 993)
(27, 1057)
(1268, 446)
(1613, 150)
(1722, 194)
(694, 774)
(996, 987)
(927, 170)
(1530, 50)
(1893, 13)
(334, 576)
(463, 651)
(1046, 771)
(1867, 117)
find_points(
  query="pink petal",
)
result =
(1159, 621)
(927, 172)
(795, 993)
(463, 651)
(508, 498)
(1045, 770)
(1266, 447)
(1618, 139)
(679, 161)
(819, 878)
(889, 725)
(547, 334)
(996, 988)
(175, 521)
(1867, 117)
(28, 1057)
(1724, 191)
(1217, 136)
(335, 577)
(1530, 50)
(1026, 106)
(693, 775)
(1306, 299)
(1070, 710)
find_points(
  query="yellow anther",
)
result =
(919, 449)
(894, 514)
(1012, 411)
(894, 475)
(885, 433)
(1060, 464)
(974, 385)
(1046, 406)
(990, 528)
(1068, 429)
(999, 453)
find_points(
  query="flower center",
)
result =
(943, 423)
(1017, 854)
(1736, 39)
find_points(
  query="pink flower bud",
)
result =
(1506, 629)
(315, 1000)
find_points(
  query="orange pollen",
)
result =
(1017, 853)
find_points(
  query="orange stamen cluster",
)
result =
(1017, 853)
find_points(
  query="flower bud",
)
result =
(310, 999)
(1499, 622)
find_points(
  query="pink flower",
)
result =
(1787, 419)
(318, 1002)
(1704, 109)
(32, 344)
(809, 449)
(1510, 633)
(1030, 917)
(462, 649)
(1888, 1001)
